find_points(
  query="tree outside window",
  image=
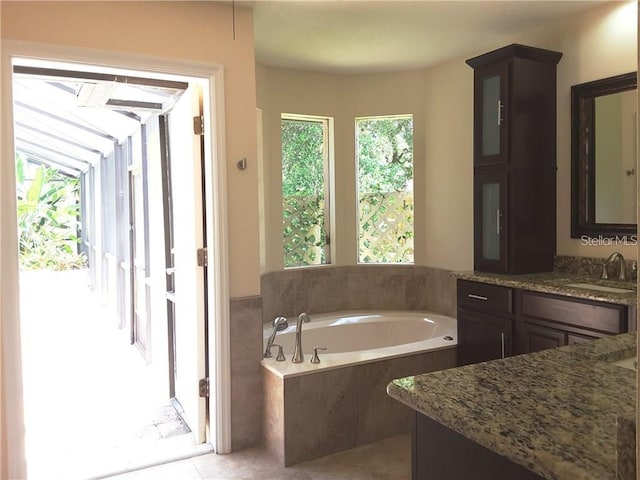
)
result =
(384, 151)
(305, 190)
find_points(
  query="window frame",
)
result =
(357, 182)
(328, 182)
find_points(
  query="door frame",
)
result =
(219, 402)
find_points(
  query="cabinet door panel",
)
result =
(601, 317)
(491, 87)
(490, 232)
(490, 195)
(491, 115)
(439, 453)
(538, 338)
(482, 337)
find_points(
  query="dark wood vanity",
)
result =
(499, 314)
(496, 321)
(550, 414)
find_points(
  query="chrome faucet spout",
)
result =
(617, 257)
(298, 356)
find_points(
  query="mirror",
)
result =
(603, 157)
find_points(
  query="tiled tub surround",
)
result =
(318, 289)
(335, 409)
(246, 377)
(357, 287)
(554, 412)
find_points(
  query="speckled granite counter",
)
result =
(557, 283)
(554, 412)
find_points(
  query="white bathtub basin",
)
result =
(352, 338)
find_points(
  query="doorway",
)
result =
(108, 271)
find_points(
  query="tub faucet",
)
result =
(279, 324)
(298, 356)
(615, 257)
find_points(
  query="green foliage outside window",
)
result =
(47, 219)
(385, 189)
(303, 180)
(385, 154)
(385, 186)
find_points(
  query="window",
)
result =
(305, 190)
(384, 151)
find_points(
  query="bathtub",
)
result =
(353, 338)
(344, 396)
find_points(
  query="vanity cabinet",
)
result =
(547, 321)
(496, 321)
(485, 322)
(439, 453)
(514, 157)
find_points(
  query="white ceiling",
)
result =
(364, 36)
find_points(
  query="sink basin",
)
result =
(631, 363)
(601, 288)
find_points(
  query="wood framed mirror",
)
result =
(603, 157)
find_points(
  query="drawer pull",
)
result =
(502, 341)
(477, 297)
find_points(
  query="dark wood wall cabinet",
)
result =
(514, 157)
(496, 321)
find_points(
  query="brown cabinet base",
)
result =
(496, 321)
(438, 453)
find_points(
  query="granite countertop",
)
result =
(557, 283)
(554, 412)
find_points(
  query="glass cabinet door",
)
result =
(490, 222)
(490, 118)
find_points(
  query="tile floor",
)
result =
(385, 460)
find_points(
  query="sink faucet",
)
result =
(298, 356)
(279, 324)
(615, 257)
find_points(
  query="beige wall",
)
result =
(189, 31)
(596, 44)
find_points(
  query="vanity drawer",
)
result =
(485, 297)
(599, 316)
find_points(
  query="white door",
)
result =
(190, 309)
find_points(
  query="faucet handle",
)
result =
(280, 357)
(605, 274)
(315, 358)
